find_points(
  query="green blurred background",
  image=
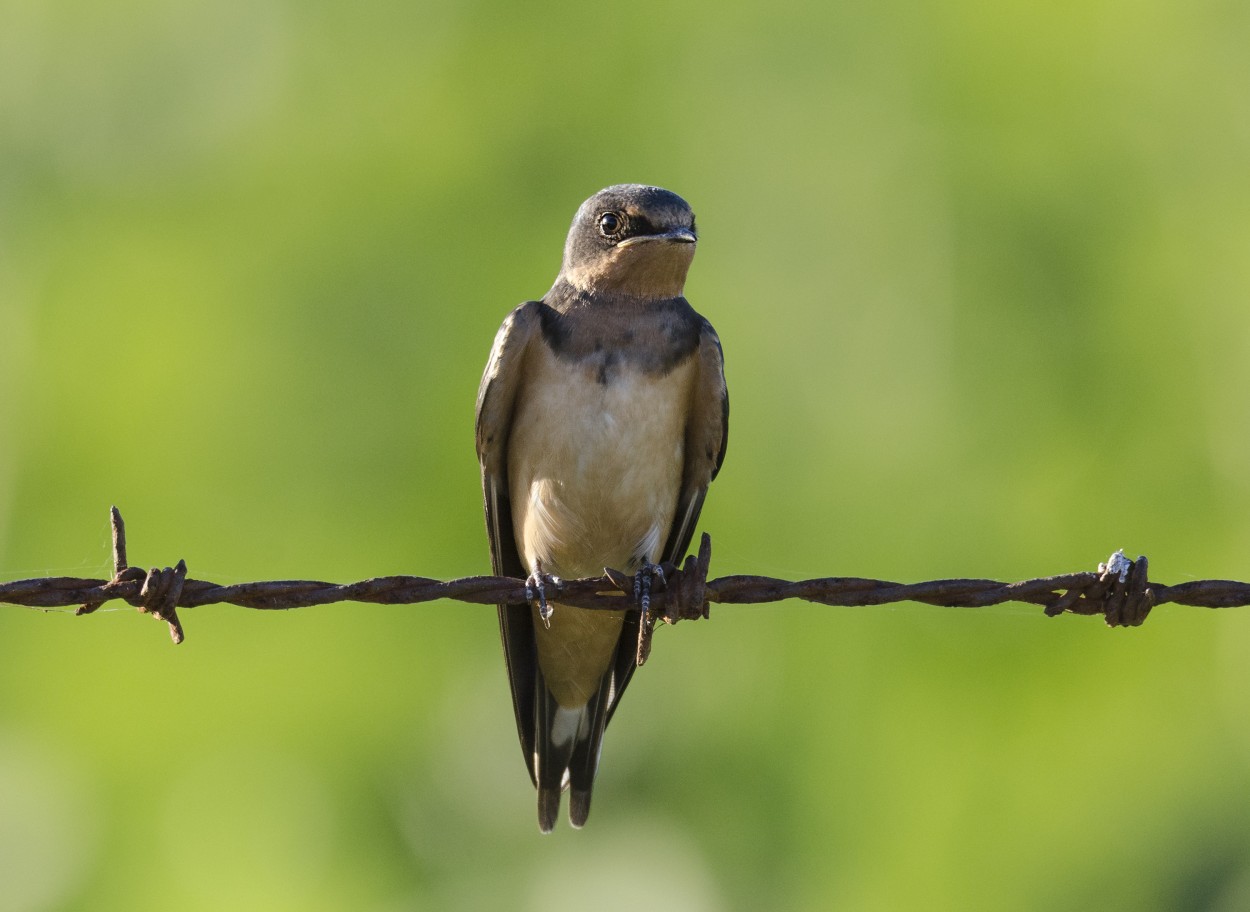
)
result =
(981, 272)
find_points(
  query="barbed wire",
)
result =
(1119, 590)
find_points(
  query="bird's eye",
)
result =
(610, 224)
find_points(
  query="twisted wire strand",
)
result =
(1120, 591)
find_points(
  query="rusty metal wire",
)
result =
(1119, 590)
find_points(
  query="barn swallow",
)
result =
(601, 419)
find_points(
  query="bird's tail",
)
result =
(566, 752)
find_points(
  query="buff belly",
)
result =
(598, 488)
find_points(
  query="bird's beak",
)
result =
(676, 236)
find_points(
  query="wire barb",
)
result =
(158, 593)
(1120, 591)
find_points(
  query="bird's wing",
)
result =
(495, 400)
(707, 432)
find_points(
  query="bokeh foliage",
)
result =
(981, 273)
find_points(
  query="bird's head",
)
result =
(631, 239)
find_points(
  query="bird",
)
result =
(602, 417)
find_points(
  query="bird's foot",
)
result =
(536, 591)
(643, 580)
(642, 584)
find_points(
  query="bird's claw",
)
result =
(536, 591)
(643, 580)
(642, 584)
